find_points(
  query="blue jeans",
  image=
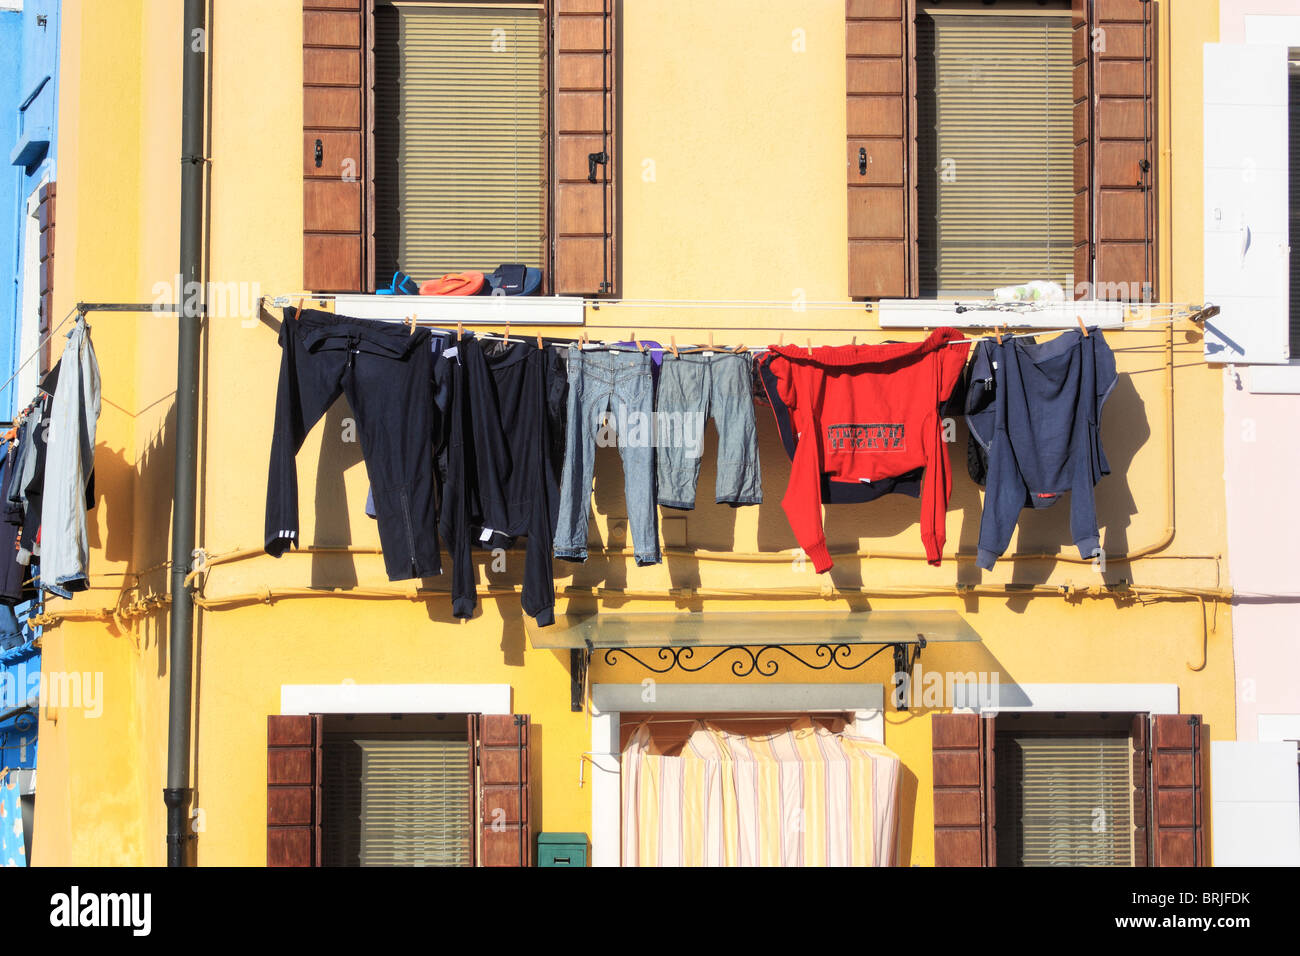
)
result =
(695, 387)
(621, 384)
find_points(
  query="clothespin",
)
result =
(298, 314)
(411, 319)
(459, 331)
(780, 340)
(673, 344)
(1082, 328)
(540, 346)
(710, 341)
(809, 347)
(507, 330)
(737, 349)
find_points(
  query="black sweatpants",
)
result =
(386, 373)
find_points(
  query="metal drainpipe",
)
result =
(176, 795)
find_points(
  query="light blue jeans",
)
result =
(70, 456)
(695, 387)
(620, 384)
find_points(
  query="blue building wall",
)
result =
(29, 81)
(11, 182)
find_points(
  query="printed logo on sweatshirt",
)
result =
(872, 437)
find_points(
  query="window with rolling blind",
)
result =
(460, 147)
(397, 798)
(1064, 799)
(995, 142)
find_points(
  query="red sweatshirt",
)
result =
(866, 412)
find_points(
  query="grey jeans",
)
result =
(691, 389)
(621, 384)
(70, 456)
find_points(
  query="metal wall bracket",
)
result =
(579, 662)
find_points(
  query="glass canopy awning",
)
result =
(755, 641)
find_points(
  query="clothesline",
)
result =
(37, 351)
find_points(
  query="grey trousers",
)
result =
(70, 456)
(621, 384)
(695, 387)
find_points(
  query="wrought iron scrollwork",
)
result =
(760, 659)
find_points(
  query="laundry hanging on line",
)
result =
(866, 413)
(47, 479)
(1034, 413)
(495, 437)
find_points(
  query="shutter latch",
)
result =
(862, 160)
(592, 159)
(320, 154)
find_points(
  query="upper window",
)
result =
(995, 148)
(460, 146)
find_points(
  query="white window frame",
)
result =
(448, 310)
(349, 698)
(1273, 371)
(28, 376)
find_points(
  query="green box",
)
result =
(561, 849)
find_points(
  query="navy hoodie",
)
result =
(1041, 427)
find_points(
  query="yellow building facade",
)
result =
(732, 191)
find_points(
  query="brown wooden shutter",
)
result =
(1080, 16)
(294, 752)
(1178, 796)
(503, 779)
(45, 222)
(1139, 736)
(880, 45)
(1123, 163)
(963, 790)
(337, 118)
(585, 211)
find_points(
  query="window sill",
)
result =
(933, 313)
(1275, 379)
(467, 310)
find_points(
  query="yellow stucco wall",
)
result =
(733, 189)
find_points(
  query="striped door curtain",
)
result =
(805, 794)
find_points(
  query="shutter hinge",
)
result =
(519, 720)
(592, 159)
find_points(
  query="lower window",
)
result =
(1064, 793)
(398, 791)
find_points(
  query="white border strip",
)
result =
(395, 698)
(447, 310)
